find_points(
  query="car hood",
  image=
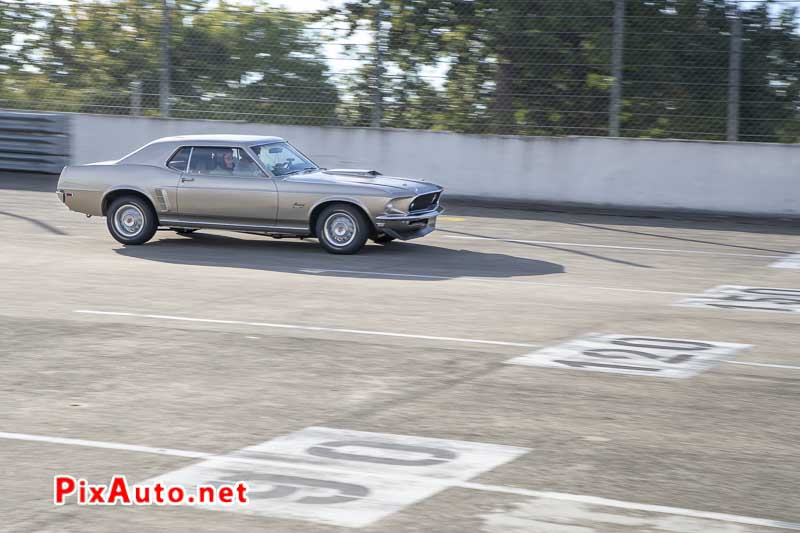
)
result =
(371, 177)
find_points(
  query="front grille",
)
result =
(424, 202)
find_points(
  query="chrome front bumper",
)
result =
(433, 213)
(407, 227)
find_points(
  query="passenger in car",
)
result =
(225, 161)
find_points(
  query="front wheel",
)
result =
(342, 229)
(131, 220)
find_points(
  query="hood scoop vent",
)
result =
(354, 172)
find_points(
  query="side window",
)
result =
(211, 161)
(179, 160)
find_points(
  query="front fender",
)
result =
(369, 211)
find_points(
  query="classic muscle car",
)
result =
(249, 184)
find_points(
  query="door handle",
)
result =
(187, 179)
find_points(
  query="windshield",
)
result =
(281, 159)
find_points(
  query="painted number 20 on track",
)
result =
(749, 298)
(625, 354)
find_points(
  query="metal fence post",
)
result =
(136, 98)
(734, 76)
(377, 88)
(166, 57)
(615, 105)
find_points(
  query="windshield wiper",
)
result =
(307, 169)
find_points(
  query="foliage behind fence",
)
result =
(529, 67)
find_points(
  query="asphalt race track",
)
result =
(514, 371)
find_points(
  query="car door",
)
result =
(299, 186)
(222, 185)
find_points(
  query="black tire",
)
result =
(183, 231)
(131, 220)
(383, 239)
(345, 218)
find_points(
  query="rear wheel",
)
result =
(342, 229)
(131, 220)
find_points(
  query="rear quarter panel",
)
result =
(87, 186)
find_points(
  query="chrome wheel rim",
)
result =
(129, 220)
(340, 229)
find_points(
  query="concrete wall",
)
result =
(739, 178)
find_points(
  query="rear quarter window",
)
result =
(180, 159)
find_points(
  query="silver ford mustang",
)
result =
(250, 184)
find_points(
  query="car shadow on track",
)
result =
(550, 247)
(398, 260)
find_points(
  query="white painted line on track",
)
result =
(360, 332)
(768, 365)
(593, 500)
(475, 278)
(790, 261)
(106, 445)
(306, 328)
(583, 245)
(268, 460)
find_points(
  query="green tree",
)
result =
(248, 63)
(512, 65)
(543, 66)
(228, 61)
(771, 76)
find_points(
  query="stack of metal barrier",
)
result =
(34, 142)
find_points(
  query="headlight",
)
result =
(391, 209)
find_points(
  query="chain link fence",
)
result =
(688, 69)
